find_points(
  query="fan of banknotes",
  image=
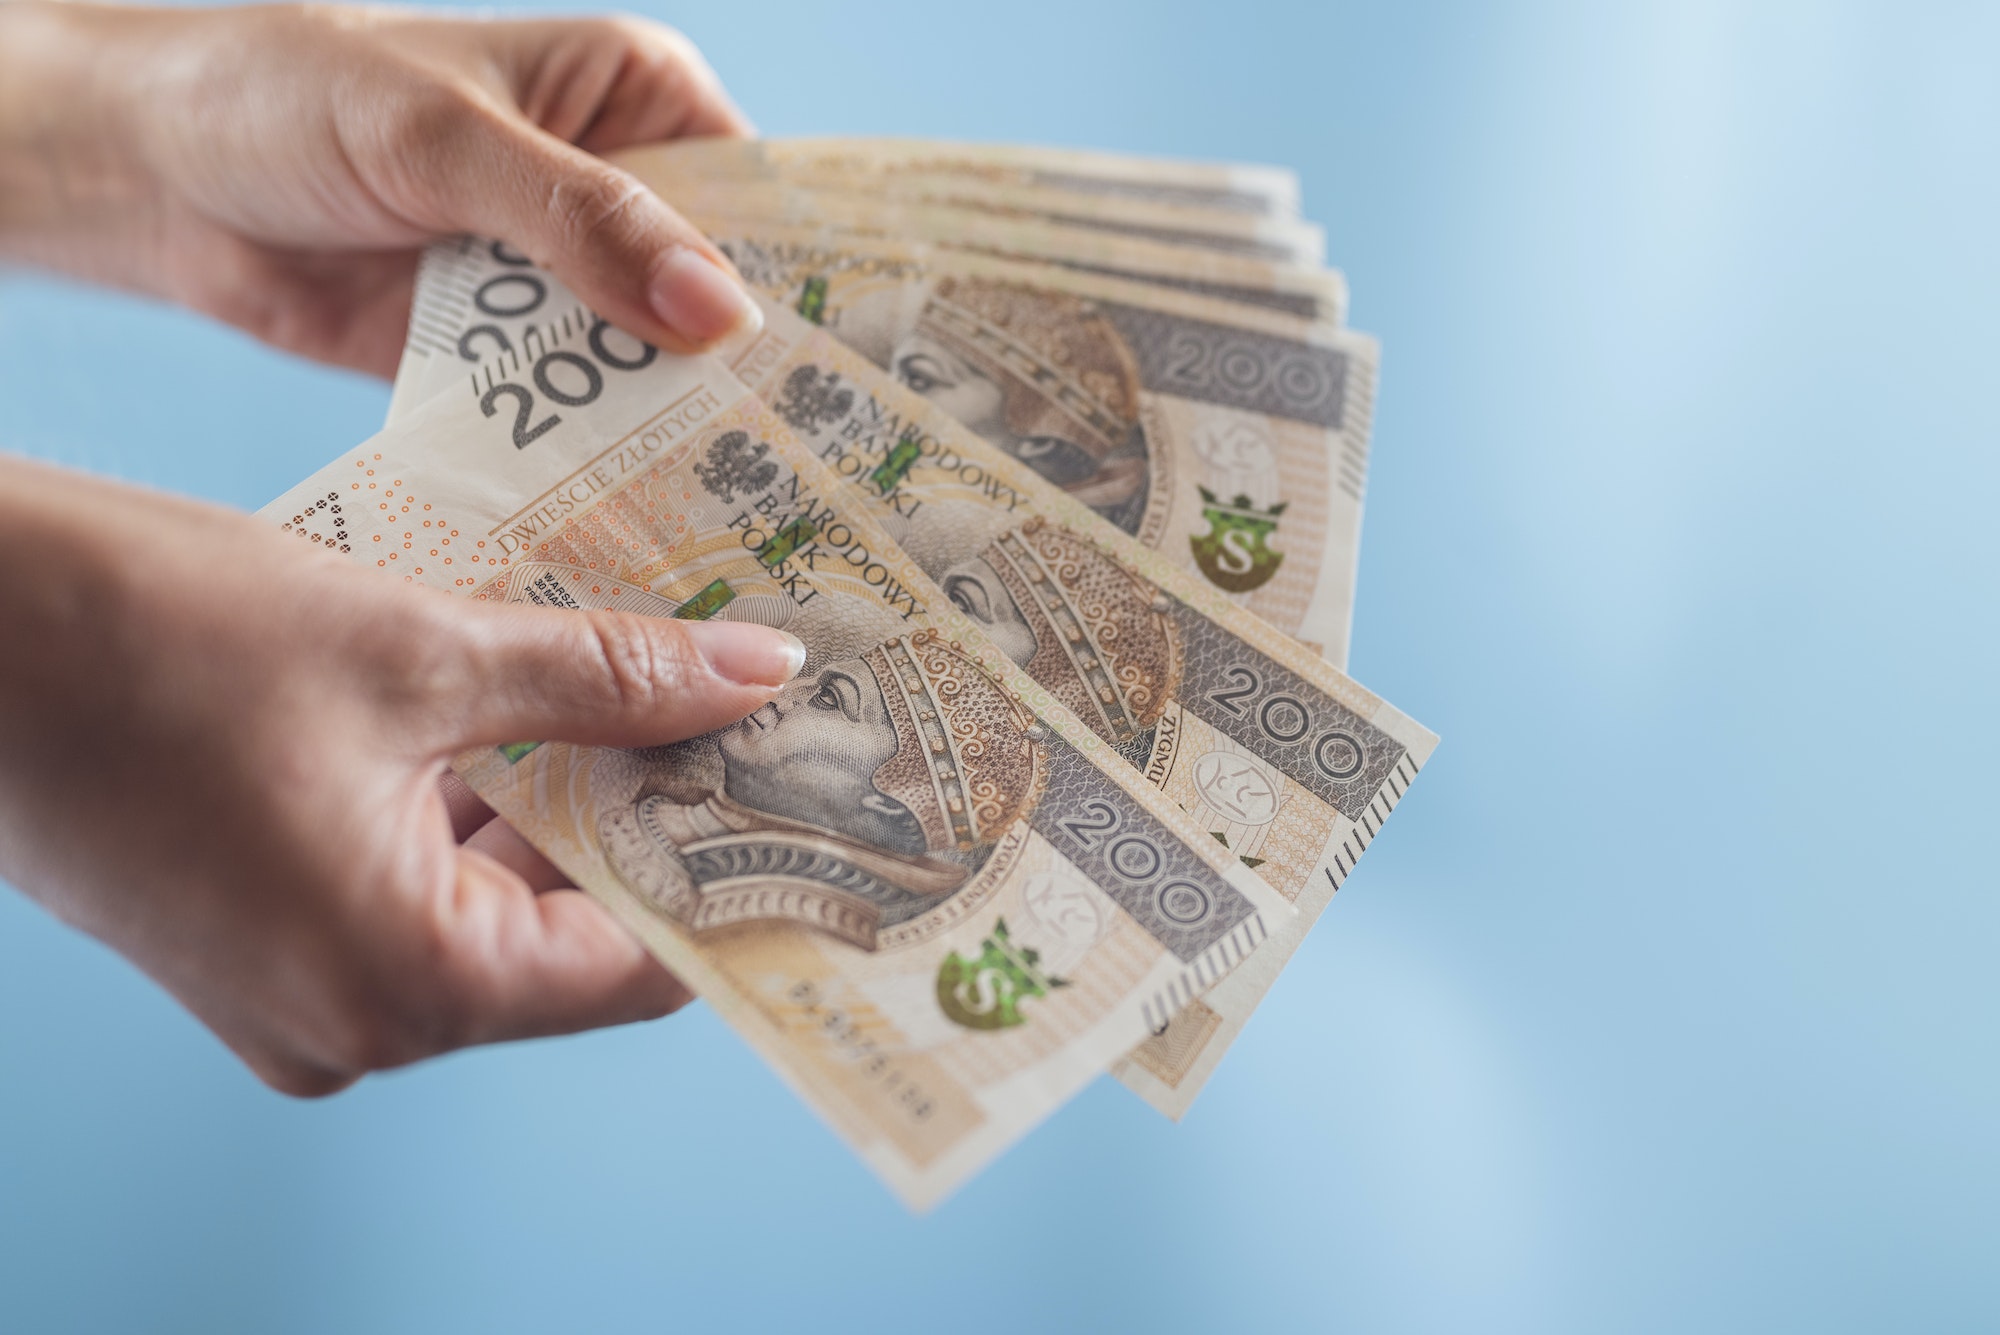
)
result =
(1054, 460)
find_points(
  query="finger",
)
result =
(468, 811)
(525, 965)
(666, 90)
(349, 309)
(503, 843)
(612, 82)
(271, 1049)
(616, 244)
(609, 678)
(300, 1078)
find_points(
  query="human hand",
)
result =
(280, 168)
(221, 751)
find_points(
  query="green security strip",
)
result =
(515, 750)
(707, 603)
(895, 466)
(790, 538)
(812, 301)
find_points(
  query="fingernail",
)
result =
(698, 301)
(747, 654)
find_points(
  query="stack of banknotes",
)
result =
(1054, 460)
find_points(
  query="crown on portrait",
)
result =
(1062, 354)
(968, 759)
(1104, 644)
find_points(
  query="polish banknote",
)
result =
(1231, 439)
(933, 899)
(1285, 762)
(1314, 294)
(690, 164)
(1224, 186)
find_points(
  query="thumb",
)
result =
(616, 244)
(611, 678)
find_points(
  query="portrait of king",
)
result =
(860, 803)
(1095, 635)
(1043, 375)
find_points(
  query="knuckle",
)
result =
(295, 1074)
(421, 659)
(642, 661)
(373, 1038)
(299, 1081)
(400, 1025)
(397, 996)
(649, 35)
(595, 207)
(673, 1000)
(433, 117)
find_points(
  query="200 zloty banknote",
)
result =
(1228, 187)
(1232, 440)
(690, 164)
(1302, 290)
(1284, 761)
(929, 896)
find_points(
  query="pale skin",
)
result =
(224, 753)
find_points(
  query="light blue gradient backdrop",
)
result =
(1667, 1002)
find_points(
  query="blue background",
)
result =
(1667, 1003)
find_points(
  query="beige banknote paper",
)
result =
(1224, 186)
(1312, 294)
(686, 165)
(1230, 439)
(1283, 760)
(934, 901)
